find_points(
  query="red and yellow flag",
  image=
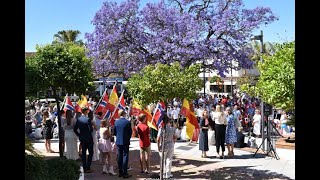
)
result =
(191, 122)
(81, 103)
(136, 110)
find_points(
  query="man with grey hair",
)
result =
(123, 133)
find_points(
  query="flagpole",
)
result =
(64, 101)
(95, 108)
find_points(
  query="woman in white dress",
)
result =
(257, 123)
(70, 137)
(96, 155)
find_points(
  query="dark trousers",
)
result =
(220, 134)
(123, 158)
(87, 162)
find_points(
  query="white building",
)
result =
(230, 79)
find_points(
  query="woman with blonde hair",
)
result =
(47, 130)
(220, 121)
(105, 147)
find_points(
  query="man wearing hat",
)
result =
(83, 123)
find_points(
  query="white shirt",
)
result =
(199, 112)
(257, 123)
(175, 113)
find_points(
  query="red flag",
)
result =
(103, 105)
(68, 105)
(159, 115)
(121, 105)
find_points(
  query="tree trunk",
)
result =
(59, 122)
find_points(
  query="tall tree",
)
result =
(68, 36)
(276, 83)
(62, 65)
(162, 82)
(187, 31)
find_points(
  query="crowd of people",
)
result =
(221, 119)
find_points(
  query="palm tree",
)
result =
(68, 36)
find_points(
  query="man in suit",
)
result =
(84, 124)
(123, 133)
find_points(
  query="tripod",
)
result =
(269, 144)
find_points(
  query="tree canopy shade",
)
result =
(59, 65)
(276, 84)
(187, 31)
(162, 82)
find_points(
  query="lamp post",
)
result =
(204, 80)
(260, 38)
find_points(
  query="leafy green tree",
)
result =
(162, 82)
(62, 65)
(277, 77)
(33, 81)
(68, 36)
(276, 84)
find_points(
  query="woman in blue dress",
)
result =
(231, 134)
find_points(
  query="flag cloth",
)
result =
(150, 123)
(191, 119)
(112, 103)
(102, 106)
(81, 103)
(136, 110)
(68, 105)
(121, 105)
(158, 115)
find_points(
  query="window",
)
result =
(229, 88)
(216, 88)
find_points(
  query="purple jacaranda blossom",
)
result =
(214, 32)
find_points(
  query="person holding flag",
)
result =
(168, 133)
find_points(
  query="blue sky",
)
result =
(43, 19)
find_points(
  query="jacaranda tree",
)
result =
(188, 31)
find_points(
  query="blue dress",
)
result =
(231, 134)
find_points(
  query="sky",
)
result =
(43, 19)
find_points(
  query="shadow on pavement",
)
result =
(244, 173)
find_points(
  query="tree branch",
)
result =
(180, 6)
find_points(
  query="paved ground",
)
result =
(188, 164)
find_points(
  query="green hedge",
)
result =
(36, 168)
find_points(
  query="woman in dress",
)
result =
(203, 140)
(231, 134)
(95, 156)
(71, 138)
(105, 147)
(256, 123)
(47, 130)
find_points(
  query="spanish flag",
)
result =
(81, 103)
(113, 102)
(192, 122)
(136, 110)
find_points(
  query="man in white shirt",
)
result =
(175, 114)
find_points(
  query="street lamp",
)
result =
(260, 38)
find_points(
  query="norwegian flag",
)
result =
(68, 105)
(159, 114)
(103, 105)
(121, 105)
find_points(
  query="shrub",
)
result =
(63, 169)
(35, 168)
